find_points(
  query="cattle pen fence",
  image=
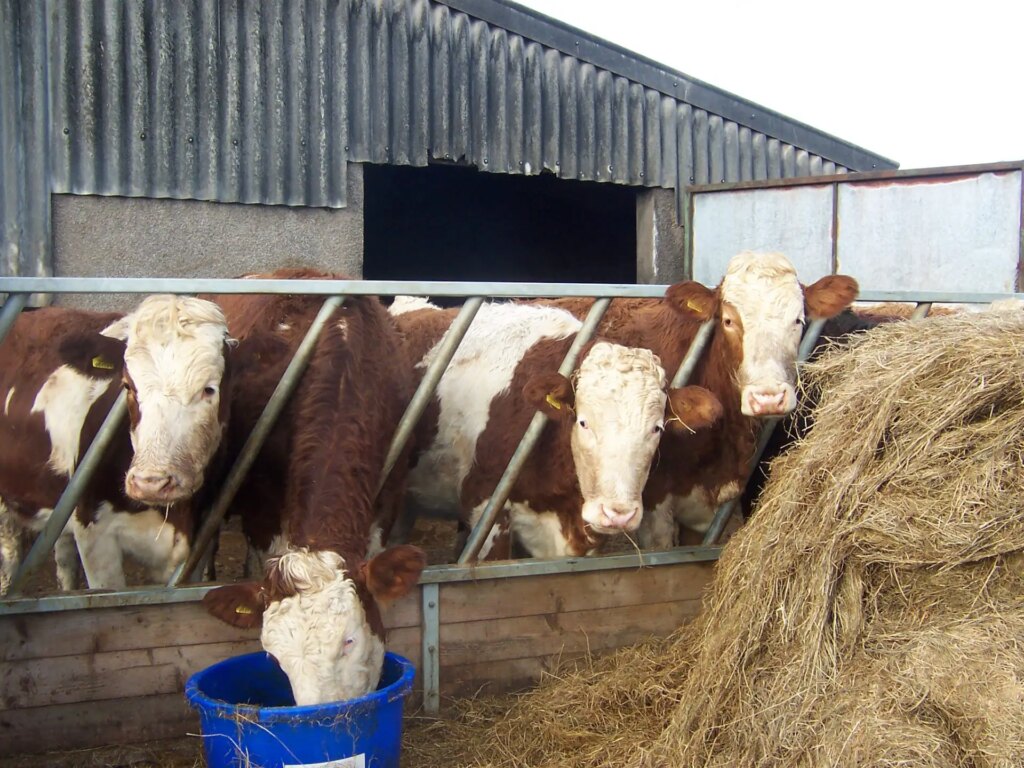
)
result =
(432, 622)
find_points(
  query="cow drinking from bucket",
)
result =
(758, 310)
(584, 478)
(60, 372)
(310, 499)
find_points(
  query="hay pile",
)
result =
(872, 613)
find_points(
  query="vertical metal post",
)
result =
(921, 310)
(693, 354)
(501, 493)
(11, 309)
(428, 384)
(431, 666)
(724, 512)
(260, 432)
(44, 543)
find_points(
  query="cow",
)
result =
(583, 480)
(60, 372)
(758, 310)
(310, 500)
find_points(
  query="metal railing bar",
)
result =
(9, 314)
(724, 513)
(327, 287)
(416, 287)
(432, 574)
(253, 444)
(921, 310)
(65, 506)
(692, 356)
(501, 493)
(428, 384)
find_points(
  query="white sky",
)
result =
(922, 83)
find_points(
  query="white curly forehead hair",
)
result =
(161, 317)
(631, 362)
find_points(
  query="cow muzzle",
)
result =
(764, 401)
(609, 517)
(156, 486)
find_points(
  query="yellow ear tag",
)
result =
(245, 610)
(692, 305)
(553, 401)
(99, 362)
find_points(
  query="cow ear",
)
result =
(692, 300)
(119, 329)
(551, 393)
(240, 605)
(691, 408)
(391, 574)
(92, 354)
(829, 296)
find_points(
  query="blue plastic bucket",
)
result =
(249, 719)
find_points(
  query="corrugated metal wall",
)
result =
(25, 247)
(264, 101)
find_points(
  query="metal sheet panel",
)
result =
(796, 221)
(952, 234)
(25, 247)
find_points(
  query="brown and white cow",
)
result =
(310, 498)
(759, 310)
(585, 476)
(60, 371)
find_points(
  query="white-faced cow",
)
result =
(585, 476)
(759, 310)
(60, 371)
(310, 498)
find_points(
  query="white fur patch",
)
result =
(540, 533)
(481, 370)
(64, 400)
(320, 636)
(145, 536)
(404, 304)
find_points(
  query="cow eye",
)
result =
(583, 424)
(798, 321)
(209, 391)
(659, 428)
(127, 386)
(727, 322)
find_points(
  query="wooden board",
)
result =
(115, 675)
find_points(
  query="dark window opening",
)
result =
(447, 222)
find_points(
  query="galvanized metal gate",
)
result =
(335, 292)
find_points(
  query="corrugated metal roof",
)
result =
(264, 101)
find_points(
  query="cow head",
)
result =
(174, 366)
(619, 410)
(321, 617)
(760, 308)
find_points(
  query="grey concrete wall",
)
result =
(142, 237)
(659, 239)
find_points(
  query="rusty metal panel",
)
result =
(796, 221)
(959, 233)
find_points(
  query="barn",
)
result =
(176, 144)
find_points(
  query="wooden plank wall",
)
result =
(115, 675)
